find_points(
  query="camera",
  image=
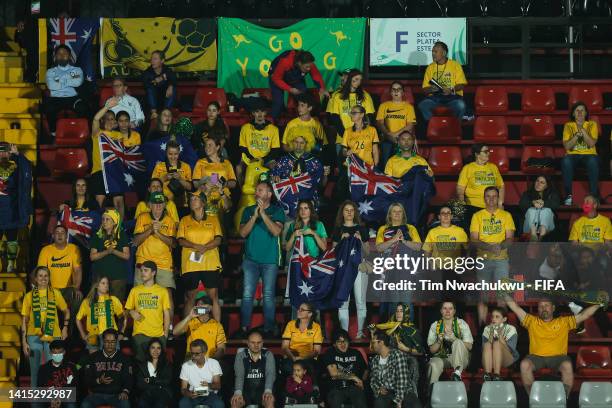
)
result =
(201, 310)
(172, 170)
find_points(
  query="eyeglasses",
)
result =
(396, 89)
(341, 341)
(446, 213)
(301, 309)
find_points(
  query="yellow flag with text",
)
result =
(246, 50)
(126, 44)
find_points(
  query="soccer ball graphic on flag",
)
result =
(193, 34)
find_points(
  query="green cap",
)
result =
(157, 197)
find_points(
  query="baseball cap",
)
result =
(157, 197)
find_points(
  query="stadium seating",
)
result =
(72, 132)
(263, 92)
(547, 394)
(490, 129)
(538, 99)
(594, 361)
(449, 394)
(498, 394)
(499, 156)
(595, 395)
(537, 129)
(204, 96)
(445, 129)
(71, 161)
(536, 152)
(105, 93)
(445, 159)
(590, 95)
(491, 100)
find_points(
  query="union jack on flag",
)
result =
(79, 223)
(77, 34)
(293, 189)
(121, 166)
(368, 181)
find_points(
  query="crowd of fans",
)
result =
(181, 226)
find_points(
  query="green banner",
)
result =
(246, 50)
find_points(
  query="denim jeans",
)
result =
(360, 288)
(589, 161)
(539, 217)
(156, 98)
(212, 401)
(95, 399)
(453, 102)
(278, 95)
(252, 272)
(37, 349)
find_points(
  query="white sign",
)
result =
(408, 41)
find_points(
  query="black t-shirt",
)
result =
(351, 362)
(363, 231)
(63, 376)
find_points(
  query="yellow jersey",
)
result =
(361, 142)
(143, 207)
(342, 107)
(259, 142)
(445, 242)
(491, 229)
(448, 75)
(386, 232)
(201, 232)
(153, 248)
(160, 171)
(150, 302)
(211, 332)
(302, 343)
(26, 310)
(397, 165)
(476, 178)
(61, 263)
(591, 230)
(571, 128)
(206, 168)
(547, 339)
(311, 130)
(99, 310)
(396, 115)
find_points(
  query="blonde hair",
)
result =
(404, 217)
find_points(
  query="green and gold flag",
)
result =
(126, 44)
(246, 50)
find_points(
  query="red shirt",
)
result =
(298, 390)
(286, 64)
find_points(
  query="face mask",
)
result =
(587, 208)
(57, 358)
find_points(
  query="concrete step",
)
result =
(19, 105)
(19, 136)
(11, 75)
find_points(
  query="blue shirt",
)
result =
(62, 81)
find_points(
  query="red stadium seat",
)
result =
(590, 95)
(71, 161)
(72, 132)
(538, 152)
(594, 361)
(445, 159)
(105, 93)
(537, 129)
(205, 95)
(499, 156)
(445, 129)
(537, 99)
(490, 129)
(263, 92)
(491, 100)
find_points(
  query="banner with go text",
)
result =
(408, 41)
(247, 50)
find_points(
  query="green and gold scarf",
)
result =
(44, 329)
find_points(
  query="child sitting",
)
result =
(299, 385)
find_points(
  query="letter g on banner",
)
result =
(279, 44)
(295, 39)
(329, 60)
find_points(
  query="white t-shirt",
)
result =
(463, 327)
(194, 375)
(131, 105)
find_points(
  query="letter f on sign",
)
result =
(399, 41)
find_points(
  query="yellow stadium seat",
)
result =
(30, 154)
(11, 75)
(9, 335)
(10, 318)
(12, 285)
(19, 90)
(8, 369)
(21, 275)
(13, 352)
(10, 60)
(19, 136)
(18, 105)
(11, 301)
(24, 123)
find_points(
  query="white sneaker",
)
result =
(568, 200)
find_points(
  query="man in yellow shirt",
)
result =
(491, 232)
(201, 325)
(406, 158)
(548, 338)
(393, 118)
(579, 139)
(592, 228)
(306, 126)
(443, 83)
(64, 262)
(149, 307)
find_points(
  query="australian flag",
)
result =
(291, 190)
(123, 168)
(77, 34)
(79, 224)
(375, 192)
(154, 151)
(326, 281)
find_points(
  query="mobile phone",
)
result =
(214, 178)
(201, 310)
